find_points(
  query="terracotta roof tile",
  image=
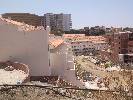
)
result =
(55, 42)
(22, 26)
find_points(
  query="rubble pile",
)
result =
(57, 81)
(11, 76)
(63, 83)
(49, 93)
(12, 73)
(114, 78)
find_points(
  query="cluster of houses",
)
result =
(45, 54)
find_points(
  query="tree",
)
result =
(57, 32)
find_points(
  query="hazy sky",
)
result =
(84, 12)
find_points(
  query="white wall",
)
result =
(58, 60)
(62, 64)
(30, 48)
(61, 60)
(58, 64)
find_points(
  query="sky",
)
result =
(117, 13)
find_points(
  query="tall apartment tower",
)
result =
(58, 21)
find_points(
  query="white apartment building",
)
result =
(58, 21)
(80, 47)
(86, 47)
(81, 44)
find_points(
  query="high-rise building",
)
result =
(58, 21)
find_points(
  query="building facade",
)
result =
(58, 21)
(120, 46)
(62, 61)
(81, 44)
(86, 47)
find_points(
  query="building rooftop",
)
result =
(22, 26)
(94, 39)
(71, 36)
(55, 43)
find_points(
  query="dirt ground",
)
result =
(118, 79)
(49, 93)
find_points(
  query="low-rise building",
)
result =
(62, 61)
(86, 47)
(44, 54)
(81, 44)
